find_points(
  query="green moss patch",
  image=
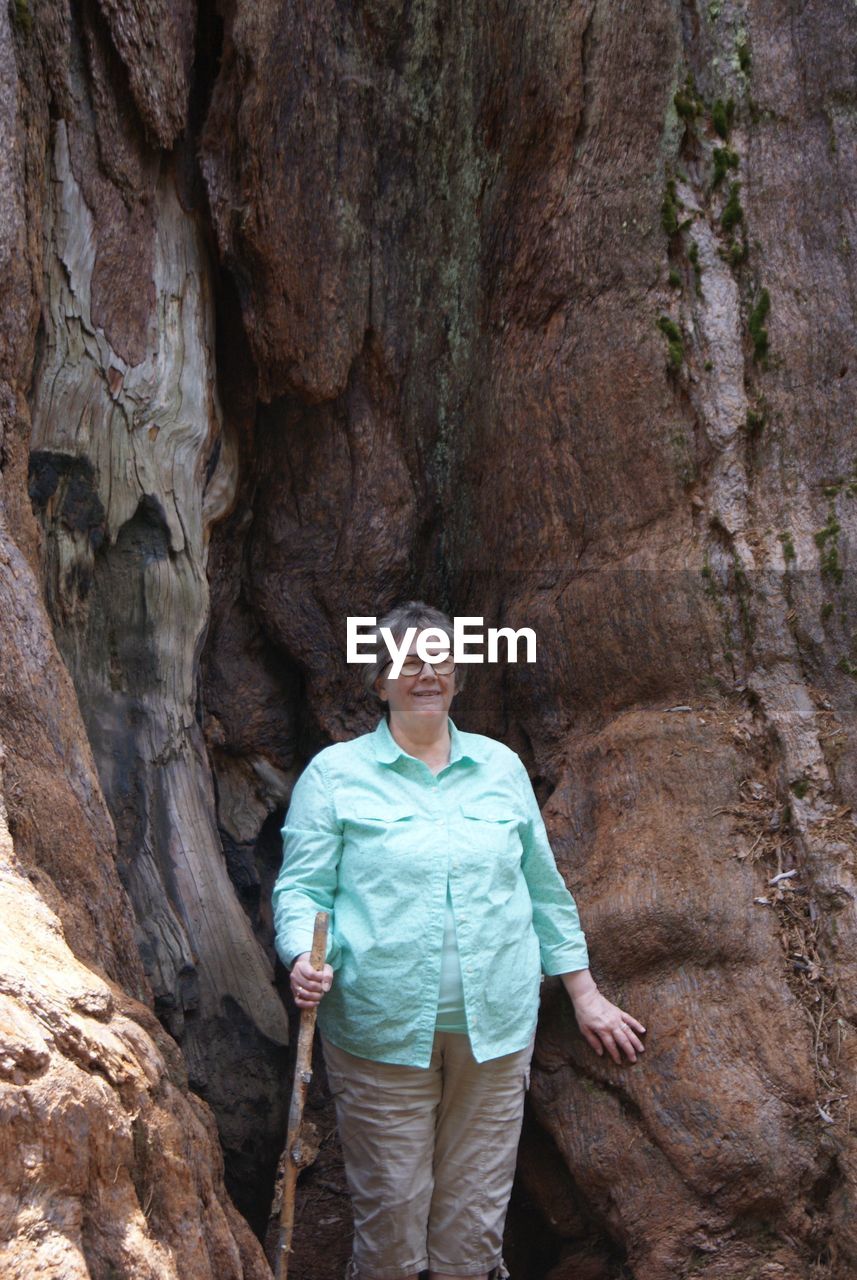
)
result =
(756, 325)
(732, 212)
(675, 341)
(722, 115)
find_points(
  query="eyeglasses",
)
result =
(414, 666)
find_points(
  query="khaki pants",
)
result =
(429, 1156)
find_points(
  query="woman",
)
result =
(427, 846)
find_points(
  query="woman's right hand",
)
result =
(308, 984)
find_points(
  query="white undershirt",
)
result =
(450, 1005)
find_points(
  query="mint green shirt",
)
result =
(374, 837)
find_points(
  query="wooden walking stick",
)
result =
(303, 1074)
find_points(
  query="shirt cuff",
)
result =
(567, 959)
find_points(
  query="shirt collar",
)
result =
(388, 751)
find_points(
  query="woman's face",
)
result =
(420, 700)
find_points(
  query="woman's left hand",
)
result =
(606, 1026)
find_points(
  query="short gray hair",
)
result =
(413, 613)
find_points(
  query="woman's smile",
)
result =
(431, 700)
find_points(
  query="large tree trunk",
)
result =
(110, 1165)
(541, 312)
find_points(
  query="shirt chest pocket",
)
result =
(374, 825)
(492, 830)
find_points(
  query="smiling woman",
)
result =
(427, 846)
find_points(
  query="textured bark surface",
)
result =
(111, 1167)
(129, 468)
(568, 409)
(542, 312)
